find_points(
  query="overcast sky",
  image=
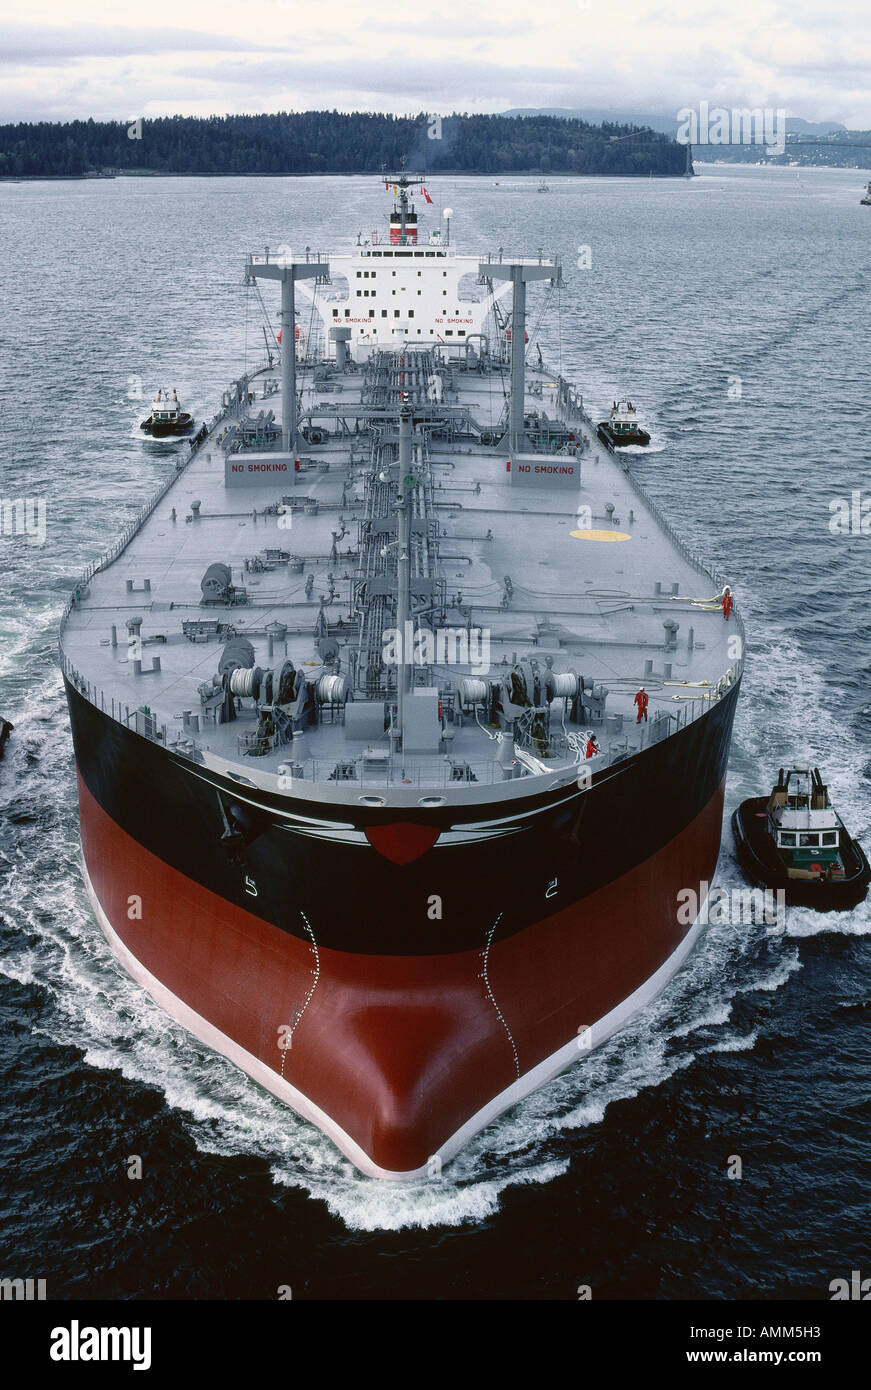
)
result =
(121, 60)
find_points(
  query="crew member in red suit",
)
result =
(592, 746)
(727, 603)
(641, 702)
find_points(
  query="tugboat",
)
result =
(622, 427)
(866, 201)
(167, 416)
(795, 840)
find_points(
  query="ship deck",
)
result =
(582, 578)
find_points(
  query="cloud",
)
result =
(54, 44)
(471, 28)
(432, 85)
(498, 54)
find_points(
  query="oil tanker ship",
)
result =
(401, 714)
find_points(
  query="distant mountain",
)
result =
(796, 126)
(826, 144)
(665, 122)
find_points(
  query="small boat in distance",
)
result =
(542, 187)
(795, 840)
(167, 416)
(622, 427)
(866, 201)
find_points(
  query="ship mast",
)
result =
(287, 271)
(403, 219)
(403, 563)
(520, 272)
(403, 201)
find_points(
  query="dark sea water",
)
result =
(734, 310)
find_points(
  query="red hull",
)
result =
(397, 1058)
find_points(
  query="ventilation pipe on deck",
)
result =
(341, 337)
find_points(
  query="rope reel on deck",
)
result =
(216, 582)
(473, 692)
(332, 689)
(236, 674)
(237, 652)
(242, 681)
(563, 684)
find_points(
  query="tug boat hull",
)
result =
(162, 429)
(620, 441)
(763, 866)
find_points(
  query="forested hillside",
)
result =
(328, 142)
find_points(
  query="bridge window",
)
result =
(809, 841)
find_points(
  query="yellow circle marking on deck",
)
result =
(601, 535)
